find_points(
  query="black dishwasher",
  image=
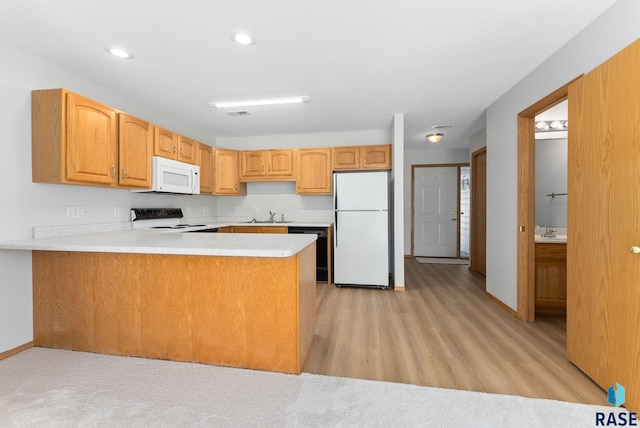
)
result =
(322, 265)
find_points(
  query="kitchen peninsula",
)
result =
(225, 299)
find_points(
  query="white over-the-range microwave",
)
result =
(171, 176)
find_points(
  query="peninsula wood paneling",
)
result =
(248, 312)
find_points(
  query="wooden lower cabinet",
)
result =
(251, 312)
(260, 229)
(551, 279)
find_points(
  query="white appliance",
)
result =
(361, 224)
(171, 176)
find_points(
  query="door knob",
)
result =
(634, 249)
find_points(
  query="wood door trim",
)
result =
(413, 176)
(526, 200)
(473, 255)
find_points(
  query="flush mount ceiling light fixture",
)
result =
(119, 52)
(243, 37)
(434, 138)
(252, 102)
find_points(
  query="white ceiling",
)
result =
(440, 62)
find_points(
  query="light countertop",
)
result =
(558, 239)
(148, 241)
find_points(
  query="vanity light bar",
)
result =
(259, 102)
(551, 125)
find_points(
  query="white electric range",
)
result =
(167, 219)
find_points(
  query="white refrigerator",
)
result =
(361, 229)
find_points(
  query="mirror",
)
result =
(551, 170)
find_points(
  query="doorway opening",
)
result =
(440, 211)
(526, 201)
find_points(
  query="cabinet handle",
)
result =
(236, 186)
(174, 150)
(180, 151)
(261, 168)
(124, 172)
(634, 249)
(269, 168)
(357, 161)
(113, 171)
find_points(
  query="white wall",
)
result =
(429, 156)
(26, 204)
(398, 198)
(551, 177)
(477, 141)
(610, 33)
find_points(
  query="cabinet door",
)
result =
(376, 157)
(165, 143)
(225, 173)
(346, 157)
(92, 147)
(280, 163)
(246, 229)
(253, 164)
(274, 229)
(206, 168)
(314, 172)
(135, 145)
(188, 150)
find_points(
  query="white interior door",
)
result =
(435, 212)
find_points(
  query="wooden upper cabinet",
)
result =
(188, 150)
(362, 157)
(92, 149)
(225, 172)
(135, 148)
(376, 157)
(346, 157)
(267, 165)
(314, 172)
(165, 143)
(205, 155)
(74, 139)
(253, 163)
(280, 163)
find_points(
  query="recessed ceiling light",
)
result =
(243, 37)
(120, 52)
(259, 102)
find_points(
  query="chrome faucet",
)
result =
(272, 216)
(550, 232)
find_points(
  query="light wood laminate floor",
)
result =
(443, 331)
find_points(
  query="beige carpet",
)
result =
(442, 261)
(53, 388)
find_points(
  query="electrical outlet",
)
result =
(205, 210)
(84, 212)
(300, 209)
(73, 212)
(188, 210)
(256, 209)
(116, 211)
(236, 210)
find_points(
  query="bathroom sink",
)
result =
(557, 238)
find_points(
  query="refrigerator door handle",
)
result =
(335, 207)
